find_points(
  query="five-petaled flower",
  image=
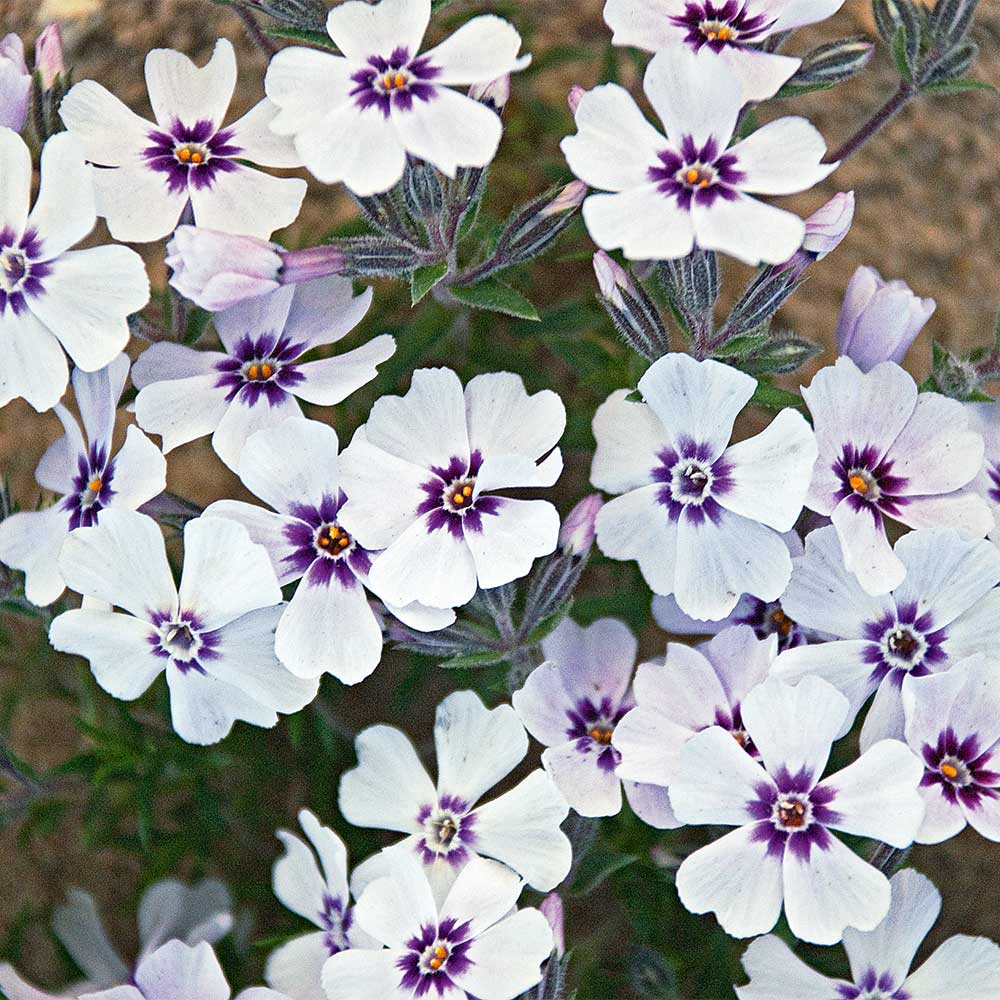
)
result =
(985, 418)
(687, 189)
(355, 117)
(187, 157)
(703, 518)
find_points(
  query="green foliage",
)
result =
(494, 296)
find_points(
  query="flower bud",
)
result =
(827, 227)
(577, 533)
(576, 93)
(611, 278)
(49, 55)
(216, 270)
(568, 199)
(15, 83)
(552, 909)
(879, 319)
(631, 310)
(496, 93)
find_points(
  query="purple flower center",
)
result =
(181, 639)
(21, 272)
(433, 956)
(904, 643)
(191, 155)
(447, 830)
(767, 618)
(732, 719)
(867, 481)
(261, 368)
(394, 82)
(319, 548)
(697, 173)
(872, 986)
(336, 922)
(961, 768)
(691, 482)
(591, 727)
(793, 815)
(720, 24)
(451, 500)
(993, 471)
(92, 490)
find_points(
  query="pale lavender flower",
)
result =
(985, 419)
(552, 909)
(783, 851)
(577, 533)
(879, 320)
(15, 83)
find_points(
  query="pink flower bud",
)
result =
(879, 319)
(15, 83)
(576, 93)
(552, 909)
(577, 533)
(569, 198)
(827, 227)
(49, 55)
(611, 276)
(496, 93)
(216, 270)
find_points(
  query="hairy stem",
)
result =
(906, 92)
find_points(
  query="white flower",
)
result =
(946, 608)
(729, 32)
(256, 380)
(52, 297)
(953, 724)
(214, 637)
(476, 748)
(187, 156)
(421, 476)
(81, 469)
(886, 451)
(691, 690)
(355, 117)
(962, 968)
(783, 850)
(702, 519)
(686, 189)
(321, 897)
(476, 943)
(985, 418)
(328, 624)
(572, 705)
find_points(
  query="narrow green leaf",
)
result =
(774, 398)
(598, 866)
(495, 296)
(424, 279)
(944, 87)
(547, 625)
(900, 54)
(437, 5)
(318, 38)
(468, 661)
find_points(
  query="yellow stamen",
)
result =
(467, 491)
(703, 184)
(334, 531)
(400, 80)
(691, 175)
(949, 770)
(435, 963)
(441, 952)
(858, 484)
(253, 371)
(324, 541)
(387, 81)
(711, 36)
(723, 34)
(458, 498)
(196, 157)
(94, 485)
(266, 370)
(184, 154)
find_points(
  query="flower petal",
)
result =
(65, 211)
(137, 203)
(505, 961)
(306, 85)
(642, 222)
(579, 773)
(248, 202)
(777, 973)
(110, 132)
(629, 437)
(259, 143)
(181, 409)
(178, 971)
(782, 157)
(31, 542)
(181, 91)
(963, 966)
(747, 229)
(241, 420)
(140, 471)
(360, 972)
(34, 364)
(482, 49)
(361, 30)
(505, 545)
(295, 967)
(331, 380)
(16, 174)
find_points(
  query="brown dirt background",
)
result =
(928, 206)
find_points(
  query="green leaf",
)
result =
(546, 625)
(437, 5)
(900, 54)
(741, 346)
(318, 38)
(424, 279)
(468, 661)
(598, 866)
(944, 87)
(495, 296)
(772, 397)
(798, 89)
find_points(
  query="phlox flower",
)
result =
(168, 909)
(421, 478)
(953, 725)
(88, 478)
(962, 967)
(213, 637)
(702, 517)
(572, 704)
(322, 898)
(187, 157)
(686, 189)
(259, 376)
(985, 419)
(946, 608)
(53, 298)
(476, 748)
(732, 32)
(328, 624)
(886, 451)
(783, 850)
(474, 944)
(690, 690)
(355, 117)
(15, 83)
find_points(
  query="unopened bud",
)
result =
(834, 62)
(552, 909)
(570, 198)
(496, 93)
(576, 93)
(611, 278)
(577, 533)
(15, 83)
(827, 226)
(49, 55)
(631, 309)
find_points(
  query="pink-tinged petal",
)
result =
(651, 803)
(182, 409)
(694, 95)
(740, 660)
(506, 960)
(16, 173)
(361, 30)
(793, 728)
(331, 380)
(747, 229)
(505, 544)
(178, 971)
(259, 142)
(305, 85)
(892, 945)
(963, 966)
(542, 703)
(668, 615)
(180, 90)
(831, 890)
(137, 204)
(240, 421)
(629, 437)
(782, 157)
(34, 363)
(716, 780)
(389, 786)
(31, 542)
(57, 467)
(866, 549)
(650, 743)
(170, 909)
(609, 123)
(579, 771)
(78, 926)
(642, 222)
(65, 211)
(521, 829)
(482, 49)
(112, 135)
(777, 973)
(761, 74)
(256, 317)
(975, 631)
(360, 972)
(295, 968)
(737, 879)
(771, 472)
(297, 881)
(636, 526)
(140, 471)
(942, 819)
(248, 202)
(984, 817)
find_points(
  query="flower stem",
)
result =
(262, 40)
(906, 92)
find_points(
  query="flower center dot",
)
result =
(863, 484)
(258, 371)
(332, 540)
(178, 639)
(955, 772)
(781, 622)
(903, 643)
(696, 175)
(458, 496)
(717, 31)
(602, 734)
(394, 80)
(13, 270)
(791, 812)
(191, 154)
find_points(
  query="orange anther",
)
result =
(858, 484)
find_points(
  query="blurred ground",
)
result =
(928, 204)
